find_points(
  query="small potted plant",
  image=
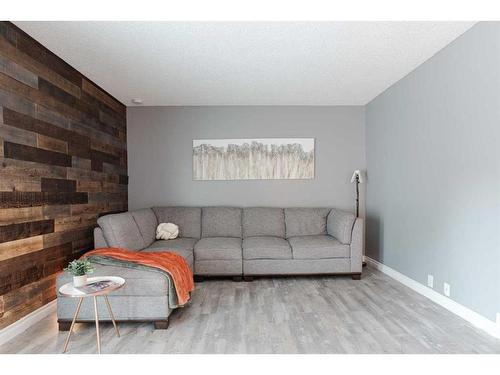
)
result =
(80, 269)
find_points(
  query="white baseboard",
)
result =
(465, 313)
(27, 321)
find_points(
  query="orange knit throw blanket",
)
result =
(171, 263)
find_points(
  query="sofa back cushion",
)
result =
(221, 222)
(147, 223)
(188, 219)
(340, 224)
(121, 230)
(305, 221)
(263, 221)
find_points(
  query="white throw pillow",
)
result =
(167, 231)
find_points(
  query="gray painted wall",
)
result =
(433, 155)
(160, 154)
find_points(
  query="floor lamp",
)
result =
(357, 178)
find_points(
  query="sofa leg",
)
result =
(356, 276)
(64, 326)
(248, 278)
(199, 279)
(161, 324)
(237, 278)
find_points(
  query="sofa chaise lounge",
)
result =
(219, 241)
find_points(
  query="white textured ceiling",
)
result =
(245, 63)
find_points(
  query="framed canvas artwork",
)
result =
(253, 159)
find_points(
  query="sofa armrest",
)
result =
(339, 224)
(99, 240)
(357, 246)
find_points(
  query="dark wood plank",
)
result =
(13, 199)
(12, 299)
(96, 144)
(16, 102)
(28, 169)
(22, 121)
(86, 175)
(8, 32)
(52, 90)
(69, 223)
(105, 157)
(10, 51)
(56, 211)
(106, 197)
(98, 159)
(111, 120)
(51, 144)
(18, 231)
(28, 268)
(111, 169)
(17, 88)
(96, 164)
(81, 150)
(90, 112)
(82, 246)
(25, 308)
(58, 185)
(123, 180)
(85, 129)
(13, 249)
(15, 135)
(11, 182)
(104, 97)
(18, 72)
(28, 153)
(78, 162)
(52, 117)
(20, 215)
(59, 238)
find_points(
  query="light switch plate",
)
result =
(430, 281)
(446, 289)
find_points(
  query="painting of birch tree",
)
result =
(253, 159)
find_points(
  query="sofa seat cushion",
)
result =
(218, 248)
(318, 247)
(176, 244)
(266, 248)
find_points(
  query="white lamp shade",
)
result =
(357, 173)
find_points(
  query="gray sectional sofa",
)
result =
(220, 241)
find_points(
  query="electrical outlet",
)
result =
(430, 281)
(446, 289)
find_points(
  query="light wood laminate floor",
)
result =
(283, 315)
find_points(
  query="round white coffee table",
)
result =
(68, 290)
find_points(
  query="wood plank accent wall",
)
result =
(63, 163)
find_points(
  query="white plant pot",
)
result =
(79, 280)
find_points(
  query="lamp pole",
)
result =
(357, 178)
(357, 195)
